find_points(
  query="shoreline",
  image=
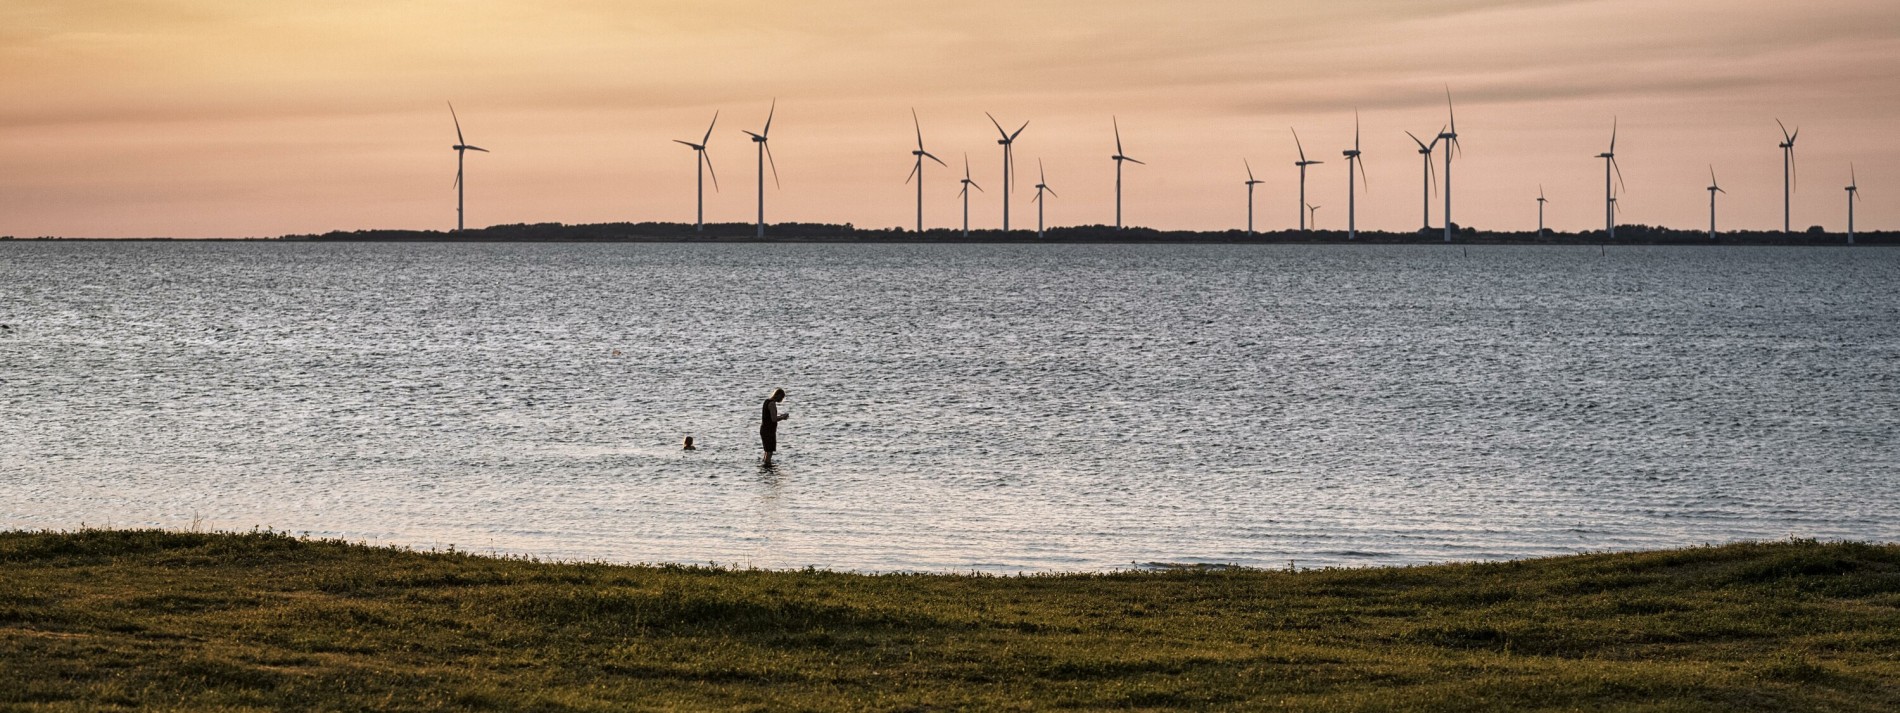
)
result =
(139, 618)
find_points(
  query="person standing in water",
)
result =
(768, 423)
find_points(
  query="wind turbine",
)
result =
(1008, 141)
(1788, 179)
(917, 171)
(1042, 186)
(1853, 194)
(1451, 144)
(1425, 150)
(705, 165)
(1313, 210)
(1714, 188)
(1251, 182)
(765, 153)
(1119, 158)
(1541, 200)
(461, 150)
(965, 194)
(1352, 200)
(1609, 196)
(1303, 163)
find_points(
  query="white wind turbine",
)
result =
(1609, 195)
(1352, 198)
(765, 154)
(1714, 188)
(1431, 180)
(1119, 158)
(461, 148)
(965, 194)
(1313, 211)
(1008, 142)
(1251, 182)
(1853, 194)
(1042, 186)
(1303, 163)
(917, 171)
(705, 166)
(1541, 200)
(1451, 144)
(1788, 175)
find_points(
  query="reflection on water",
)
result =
(959, 407)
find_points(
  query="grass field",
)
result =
(102, 620)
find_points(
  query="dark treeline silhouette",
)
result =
(847, 233)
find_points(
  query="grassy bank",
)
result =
(109, 619)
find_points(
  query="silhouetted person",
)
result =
(688, 445)
(768, 423)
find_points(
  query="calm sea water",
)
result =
(969, 407)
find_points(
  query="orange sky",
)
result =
(229, 118)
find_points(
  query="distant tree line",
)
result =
(1637, 234)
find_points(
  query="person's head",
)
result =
(689, 441)
(778, 394)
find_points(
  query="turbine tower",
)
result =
(1609, 196)
(1788, 179)
(765, 154)
(917, 171)
(1251, 182)
(1853, 194)
(1352, 198)
(1451, 143)
(965, 194)
(1303, 163)
(1541, 200)
(1008, 141)
(1119, 158)
(461, 150)
(705, 165)
(1425, 150)
(1714, 188)
(1042, 186)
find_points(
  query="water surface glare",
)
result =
(956, 407)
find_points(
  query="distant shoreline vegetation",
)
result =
(848, 233)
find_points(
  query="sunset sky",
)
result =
(232, 118)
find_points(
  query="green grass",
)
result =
(102, 620)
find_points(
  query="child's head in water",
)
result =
(689, 444)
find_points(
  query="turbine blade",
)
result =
(707, 157)
(1041, 175)
(1619, 174)
(1613, 122)
(769, 159)
(688, 144)
(1450, 110)
(458, 124)
(1363, 180)
(978, 187)
(1421, 144)
(1355, 129)
(1052, 191)
(767, 131)
(748, 133)
(709, 128)
(1432, 171)
(1794, 167)
(458, 180)
(1019, 131)
(966, 165)
(1784, 130)
(939, 161)
(915, 168)
(999, 125)
(1118, 135)
(1249, 166)
(1130, 160)
(476, 148)
(920, 128)
(1296, 144)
